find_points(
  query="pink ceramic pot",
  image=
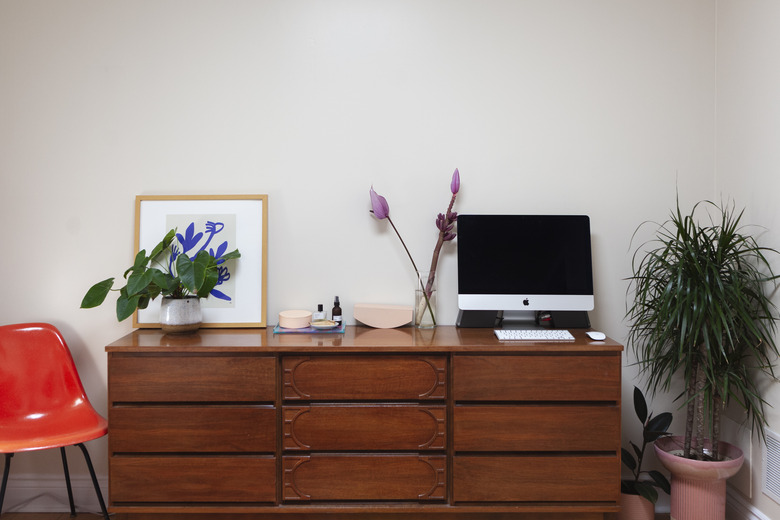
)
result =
(698, 487)
(635, 507)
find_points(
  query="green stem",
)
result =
(416, 271)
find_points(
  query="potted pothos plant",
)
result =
(701, 311)
(168, 272)
(640, 492)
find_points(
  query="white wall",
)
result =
(748, 152)
(603, 107)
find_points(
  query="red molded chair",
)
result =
(42, 400)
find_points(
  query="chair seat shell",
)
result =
(42, 401)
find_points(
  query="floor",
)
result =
(54, 516)
(91, 516)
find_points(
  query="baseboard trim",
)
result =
(738, 508)
(49, 494)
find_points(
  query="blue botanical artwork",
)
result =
(214, 234)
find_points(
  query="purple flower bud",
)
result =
(449, 236)
(441, 222)
(455, 183)
(379, 205)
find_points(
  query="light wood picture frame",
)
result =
(215, 222)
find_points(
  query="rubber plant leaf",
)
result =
(660, 480)
(640, 405)
(647, 490)
(657, 426)
(628, 459)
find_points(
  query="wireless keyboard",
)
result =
(533, 335)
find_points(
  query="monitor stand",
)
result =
(497, 319)
(478, 319)
(521, 319)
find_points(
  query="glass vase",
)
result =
(424, 301)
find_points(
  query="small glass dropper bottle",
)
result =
(336, 312)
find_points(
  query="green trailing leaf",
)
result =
(164, 244)
(231, 255)
(210, 281)
(138, 281)
(186, 270)
(97, 294)
(126, 306)
(160, 279)
(146, 282)
(202, 262)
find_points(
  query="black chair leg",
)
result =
(5, 478)
(94, 480)
(67, 482)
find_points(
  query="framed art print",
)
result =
(217, 224)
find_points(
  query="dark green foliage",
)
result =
(145, 283)
(652, 429)
(701, 310)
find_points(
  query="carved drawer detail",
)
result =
(397, 477)
(365, 427)
(319, 378)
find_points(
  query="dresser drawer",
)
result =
(160, 429)
(365, 477)
(537, 378)
(192, 479)
(536, 479)
(536, 428)
(364, 377)
(193, 378)
(365, 427)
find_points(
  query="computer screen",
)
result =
(526, 263)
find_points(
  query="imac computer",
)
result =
(516, 271)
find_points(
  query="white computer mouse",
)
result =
(596, 336)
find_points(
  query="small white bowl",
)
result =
(295, 319)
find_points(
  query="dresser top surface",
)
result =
(354, 339)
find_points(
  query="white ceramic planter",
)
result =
(180, 315)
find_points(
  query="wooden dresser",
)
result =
(371, 423)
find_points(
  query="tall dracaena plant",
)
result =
(700, 308)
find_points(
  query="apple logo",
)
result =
(526, 302)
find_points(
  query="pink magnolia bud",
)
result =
(379, 205)
(455, 183)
